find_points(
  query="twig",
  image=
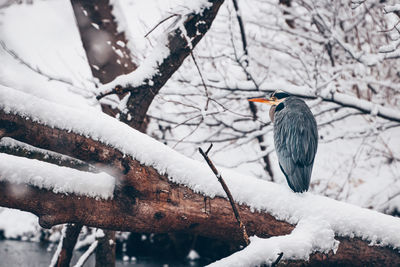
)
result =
(158, 24)
(242, 31)
(275, 263)
(228, 193)
(202, 79)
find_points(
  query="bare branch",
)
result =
(228, 193)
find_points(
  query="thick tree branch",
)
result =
(143, 84)
(146, 201)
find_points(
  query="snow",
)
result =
(392, 8)
(344, 219)
(86, 241)
(17, 145)
(310, 235)
(59, 247)
(149, 67)
(16, 224)
(58, 179)
(86, 255)
(364, 105)
(146, 70)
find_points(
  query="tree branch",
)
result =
(145, 201)
(145, 82)
(227, 191)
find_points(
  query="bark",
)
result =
(101, 46)
(68, 244)
(105, 46)
(105, 245)
(108, 56)
(147, 202)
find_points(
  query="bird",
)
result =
(295, 137)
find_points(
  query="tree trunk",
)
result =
(105, 251)
(68, 244)
(106, 48)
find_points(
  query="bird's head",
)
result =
(274, 100)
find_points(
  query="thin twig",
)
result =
(228, 193)
(161, 22)
(242, 31)
(202, 79)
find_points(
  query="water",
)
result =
(36, 254)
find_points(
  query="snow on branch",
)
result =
(19, 170)
(310, 235)
(362, 105)
(341, 99)
(144, 161)
(166, 58)
(17, 148)
(393, 8)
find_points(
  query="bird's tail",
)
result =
(299, 180)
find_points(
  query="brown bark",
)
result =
(105, 245)
(68, 244)
(147, 202)
(101, 45)
(108, 57)
(105, 47)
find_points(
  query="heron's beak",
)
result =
(272, 101)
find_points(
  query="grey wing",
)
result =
(296, 141)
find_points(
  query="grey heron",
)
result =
(295, 137)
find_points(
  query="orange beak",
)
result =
(272, 101)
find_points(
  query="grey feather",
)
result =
(296, 142)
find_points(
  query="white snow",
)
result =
(309, 236)
(392, 8)
(344, 219)
(16, 224)
(146, 70)
(86, 255)
(58, 179)
(17, 145)
(59, 247)
(86, 241)
(149, 67)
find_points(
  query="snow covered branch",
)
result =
(344, 100)
(145, 82)
(160, 190)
